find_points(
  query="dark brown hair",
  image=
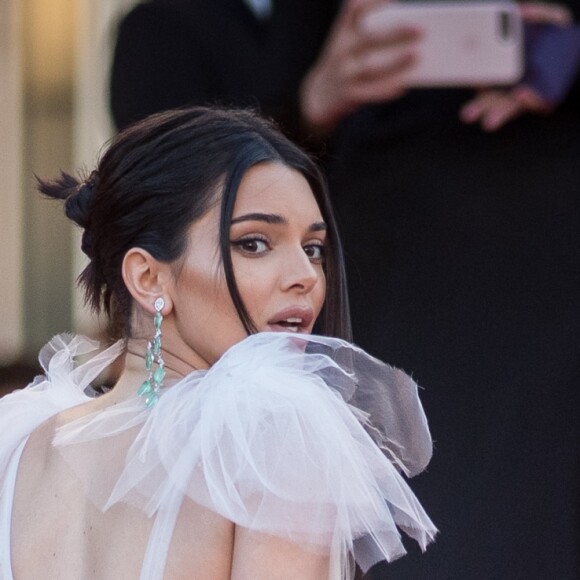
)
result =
(160, 175)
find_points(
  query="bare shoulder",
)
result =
(264, 557)
(202, 545)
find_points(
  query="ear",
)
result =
(147, 279)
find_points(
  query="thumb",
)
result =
(352, 10)
(530, 99)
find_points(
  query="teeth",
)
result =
(293, 320)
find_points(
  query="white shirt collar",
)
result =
(261, 9)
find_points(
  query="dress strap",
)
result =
(6, 505)
(160, 537)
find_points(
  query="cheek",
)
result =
(320, 291)
(206, 319)
(203, 297)
(255, 289)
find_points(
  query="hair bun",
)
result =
(77, 205)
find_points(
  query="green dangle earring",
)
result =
(150, 387)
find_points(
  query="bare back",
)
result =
(58, 533)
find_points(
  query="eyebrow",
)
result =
(275, 219)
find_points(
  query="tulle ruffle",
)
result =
(62, 387)
(298, 436)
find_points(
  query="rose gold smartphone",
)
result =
(462, 43)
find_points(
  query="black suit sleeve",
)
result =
(157, 65)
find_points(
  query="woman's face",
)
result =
(277, 241)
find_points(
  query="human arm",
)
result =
(494, 107)
(263, 557)
(357, 66)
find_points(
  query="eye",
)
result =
(315, 252)
(251, 245)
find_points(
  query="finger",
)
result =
(543, 13)
(345, 23)
(380, 63)
(475, 109)
(380, 31)
(472, 111)
(504, 110)
(391, 85)
(352, 10)
(391, 37)
(344, 37)
(531, 100)
(380, 91)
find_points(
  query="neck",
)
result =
(134, 372)
(175, 366)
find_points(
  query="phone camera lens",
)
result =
(505, 25)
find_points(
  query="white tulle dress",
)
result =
(303, 437)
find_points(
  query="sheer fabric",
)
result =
(298, 436)
(7, 485)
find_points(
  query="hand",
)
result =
(544, 13)
(493, 108)
(357, 65)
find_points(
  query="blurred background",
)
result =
(462, 243)
(54, 60)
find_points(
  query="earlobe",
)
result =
(147, 279)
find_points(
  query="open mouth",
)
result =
(292, 319)
(290, 324)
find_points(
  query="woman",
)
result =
(223, 450)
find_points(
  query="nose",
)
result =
(299, 273)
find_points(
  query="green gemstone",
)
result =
(157, 345)
(151, 400)
(148, 359)
(159, 375)
(157, 320)
(145, 388)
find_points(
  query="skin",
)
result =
(277, 242)
(492, 108)
(358, 66)
(277, 246)
(277, 253)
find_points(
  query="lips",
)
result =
(294, 319)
